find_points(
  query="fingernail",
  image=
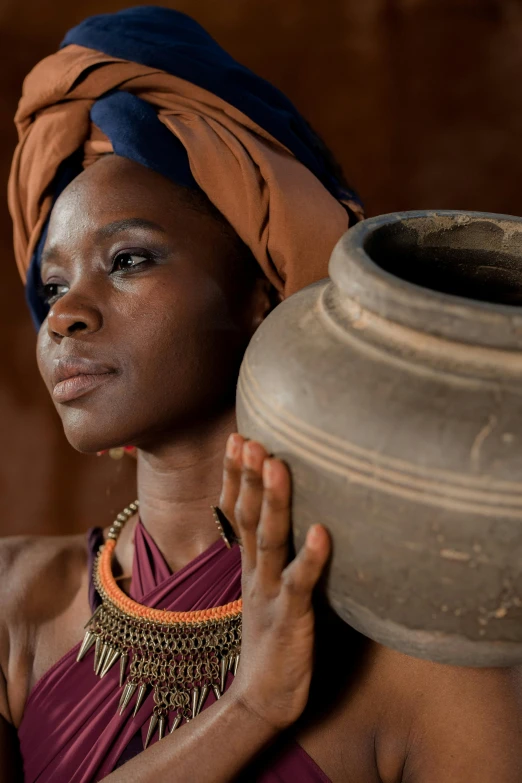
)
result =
(268, 473)
(232, 450)
(249, 457)
(313, 537)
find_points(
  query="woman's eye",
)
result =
(50, 292)
(127, 261)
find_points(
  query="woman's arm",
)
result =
(271, 687)
(212, 749)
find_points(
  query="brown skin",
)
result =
(172, 331)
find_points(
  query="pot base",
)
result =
(438, 647)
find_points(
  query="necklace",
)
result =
(179, 656)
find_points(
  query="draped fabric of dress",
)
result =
(71, 732)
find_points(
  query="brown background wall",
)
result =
(419, 99)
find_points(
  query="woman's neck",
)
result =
(177, 484)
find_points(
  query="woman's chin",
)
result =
(90, 432)
(92, 443)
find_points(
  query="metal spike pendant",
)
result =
(123, 666)
(104, 651)
(195, 701)
(230, 662)
(217, 692)
(110, 660)
(128, 693)
(142, 693)
(123, 695)
(97, 652)
(177, 721)
(161, 727)
(152, 728)
(202, 697)
(236, 664)
(96, 613)
(88, 640)
(223, 672)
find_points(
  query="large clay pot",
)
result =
(394, 392)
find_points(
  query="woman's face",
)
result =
(149, 317)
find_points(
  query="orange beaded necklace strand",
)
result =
(179, 656)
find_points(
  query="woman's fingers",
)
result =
(232, 467)
(274, 526)
(301, 576)
(256, 498)
(248, 505)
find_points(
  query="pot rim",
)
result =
(359, 278)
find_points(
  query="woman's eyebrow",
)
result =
(105, 232)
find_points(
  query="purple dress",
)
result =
(71, 732)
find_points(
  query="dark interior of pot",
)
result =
(480, 259)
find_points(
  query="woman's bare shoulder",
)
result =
(453, 722)
(33, 567)
(39, 579)
(415, 721)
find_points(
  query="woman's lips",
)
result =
(78, 385)
(74, 376)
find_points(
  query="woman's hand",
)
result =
(278, 620)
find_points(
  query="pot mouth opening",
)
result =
(479, 259)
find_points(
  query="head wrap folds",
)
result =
(151, 85)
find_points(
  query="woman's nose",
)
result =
(69, 315)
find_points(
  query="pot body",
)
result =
(397, 403)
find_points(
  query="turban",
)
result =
(151, 85)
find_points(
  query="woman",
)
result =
(164, 199)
